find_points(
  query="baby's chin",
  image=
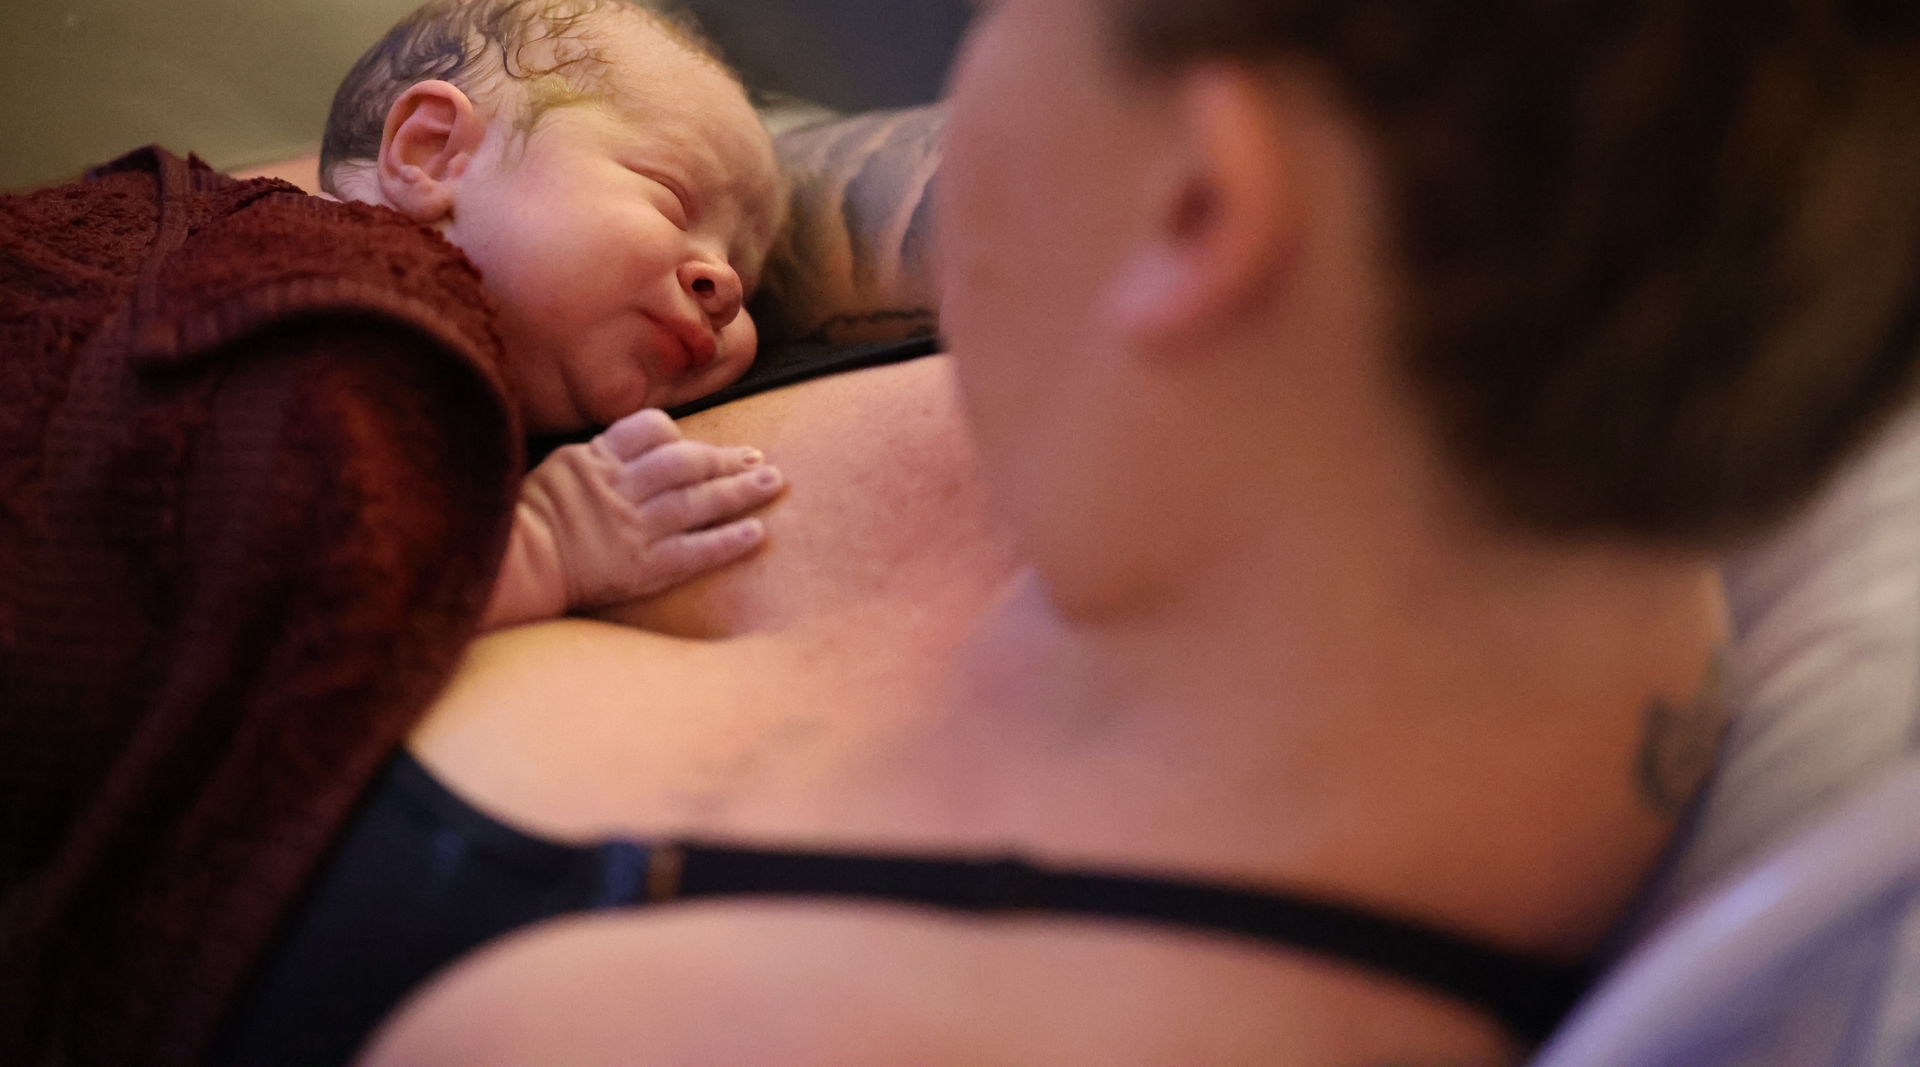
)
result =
(715, 377)
(605, 406)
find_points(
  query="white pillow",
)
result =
(1823, 676)
(1811, 959)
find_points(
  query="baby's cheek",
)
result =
(739, 340)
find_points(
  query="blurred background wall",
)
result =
(243, 82)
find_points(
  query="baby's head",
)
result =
(603, 170)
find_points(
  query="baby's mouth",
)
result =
(687, 346)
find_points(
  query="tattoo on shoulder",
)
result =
(1679, 742)
(855, 260)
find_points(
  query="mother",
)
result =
(1368, 387)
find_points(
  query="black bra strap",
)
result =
(1528, 995)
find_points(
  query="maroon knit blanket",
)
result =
(257, 467)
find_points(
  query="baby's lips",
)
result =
(667, 359)
(697, 343)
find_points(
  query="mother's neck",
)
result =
(1329, 650)
(1373, 622)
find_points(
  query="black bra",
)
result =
(1529, 996)
(421, 877)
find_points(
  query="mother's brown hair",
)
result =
(1662, 257)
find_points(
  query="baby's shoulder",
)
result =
(290, 233)
(271, 253)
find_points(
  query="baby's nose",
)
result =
(715, 287)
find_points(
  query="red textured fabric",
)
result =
(257, 467)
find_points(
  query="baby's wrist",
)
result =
(532, 583)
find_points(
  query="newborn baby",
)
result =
(607, 175)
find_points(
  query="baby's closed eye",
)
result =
(670, 198)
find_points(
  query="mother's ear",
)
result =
(1222, 213)
(431, 135)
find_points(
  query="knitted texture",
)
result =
(257, 466)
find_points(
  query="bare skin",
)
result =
(879, 566)
(844, 702)
(1262, 632)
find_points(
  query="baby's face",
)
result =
(620, 240)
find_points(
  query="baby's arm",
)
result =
(629, 514)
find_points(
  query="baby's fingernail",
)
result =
(751, 456)
(766, 479)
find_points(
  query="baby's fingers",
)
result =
(681, 556)
(681, 464)
(712, 501)
(640, 432)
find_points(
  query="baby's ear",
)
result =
(431, 135)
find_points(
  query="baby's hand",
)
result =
(633, 512)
